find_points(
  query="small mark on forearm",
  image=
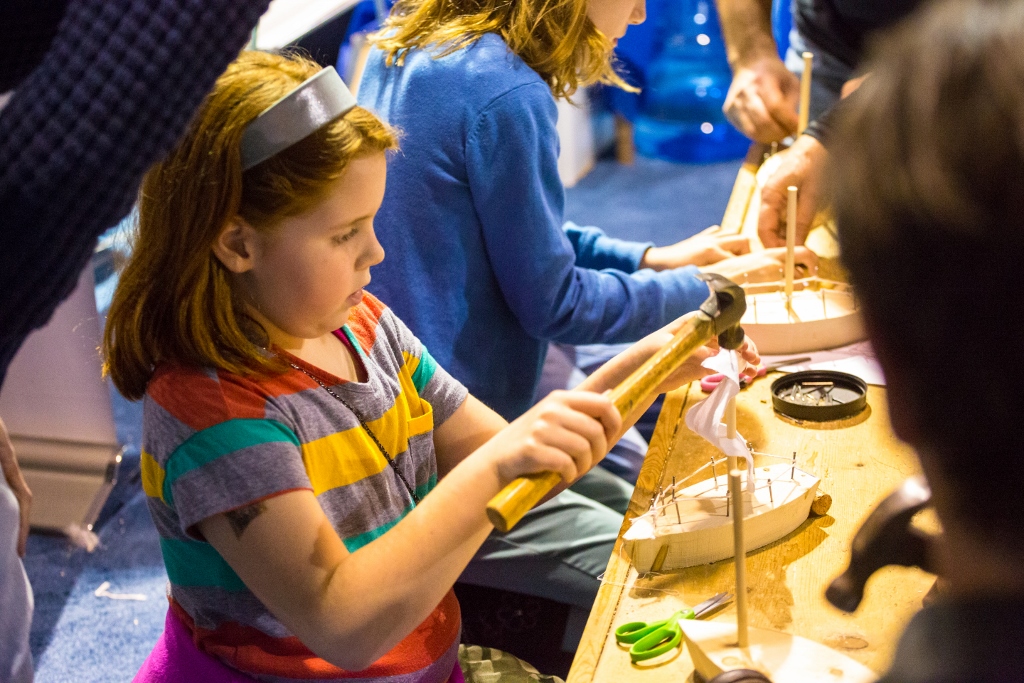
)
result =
(241, 518)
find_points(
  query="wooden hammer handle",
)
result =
(515, 500)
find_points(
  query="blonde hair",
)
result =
(555, 38)
(174, 301)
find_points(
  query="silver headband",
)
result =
(320, 99)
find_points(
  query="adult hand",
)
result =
(765, 266)
(702, 249)
(566, 432)
(801, 166)
(762, 99)
(12, 473)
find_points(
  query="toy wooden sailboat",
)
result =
(716, 647)
(798, 315)
(823, 311)
(692, 525)
(822, 314)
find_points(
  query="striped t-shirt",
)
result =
(214, 442)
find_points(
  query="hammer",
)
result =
(886, 537)
(719, 315)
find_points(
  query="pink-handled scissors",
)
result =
(709, 383)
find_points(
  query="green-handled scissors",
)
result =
(657, 638)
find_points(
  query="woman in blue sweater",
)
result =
(481, 265)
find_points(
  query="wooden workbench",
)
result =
(859, 461)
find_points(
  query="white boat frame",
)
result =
(693, 526)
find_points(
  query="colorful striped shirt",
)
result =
(214, 441)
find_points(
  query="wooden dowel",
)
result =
(730, 421)
(790, 245)
(742, 191)
(805, 92)
(679, 519)
(625, 147)
(738, 508)
(515, 500)
(822, 502)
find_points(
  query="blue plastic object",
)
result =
(782, 22)
(366, 17)
(680, 111)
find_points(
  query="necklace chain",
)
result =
(366, 428)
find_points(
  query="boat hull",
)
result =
(782, 657)
(701, 531)
(820, 318)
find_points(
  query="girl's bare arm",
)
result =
(351, 608)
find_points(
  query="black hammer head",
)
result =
(886, 537)
(725, 307)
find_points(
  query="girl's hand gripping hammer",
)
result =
(719, 315)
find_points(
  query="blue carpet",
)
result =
(652, 201)
(77, 636)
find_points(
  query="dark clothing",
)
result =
(27, 28)
(979, 641)
(823, 127)
(841, 26)
(102, 90)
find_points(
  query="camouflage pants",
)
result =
(486, 665)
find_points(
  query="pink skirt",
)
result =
(176, 659)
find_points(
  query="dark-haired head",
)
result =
(928, 184)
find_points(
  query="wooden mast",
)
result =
(805, 92)
(738, 509)
(790, 246)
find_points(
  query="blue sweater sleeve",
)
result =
(512, 168)
(596, 250)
